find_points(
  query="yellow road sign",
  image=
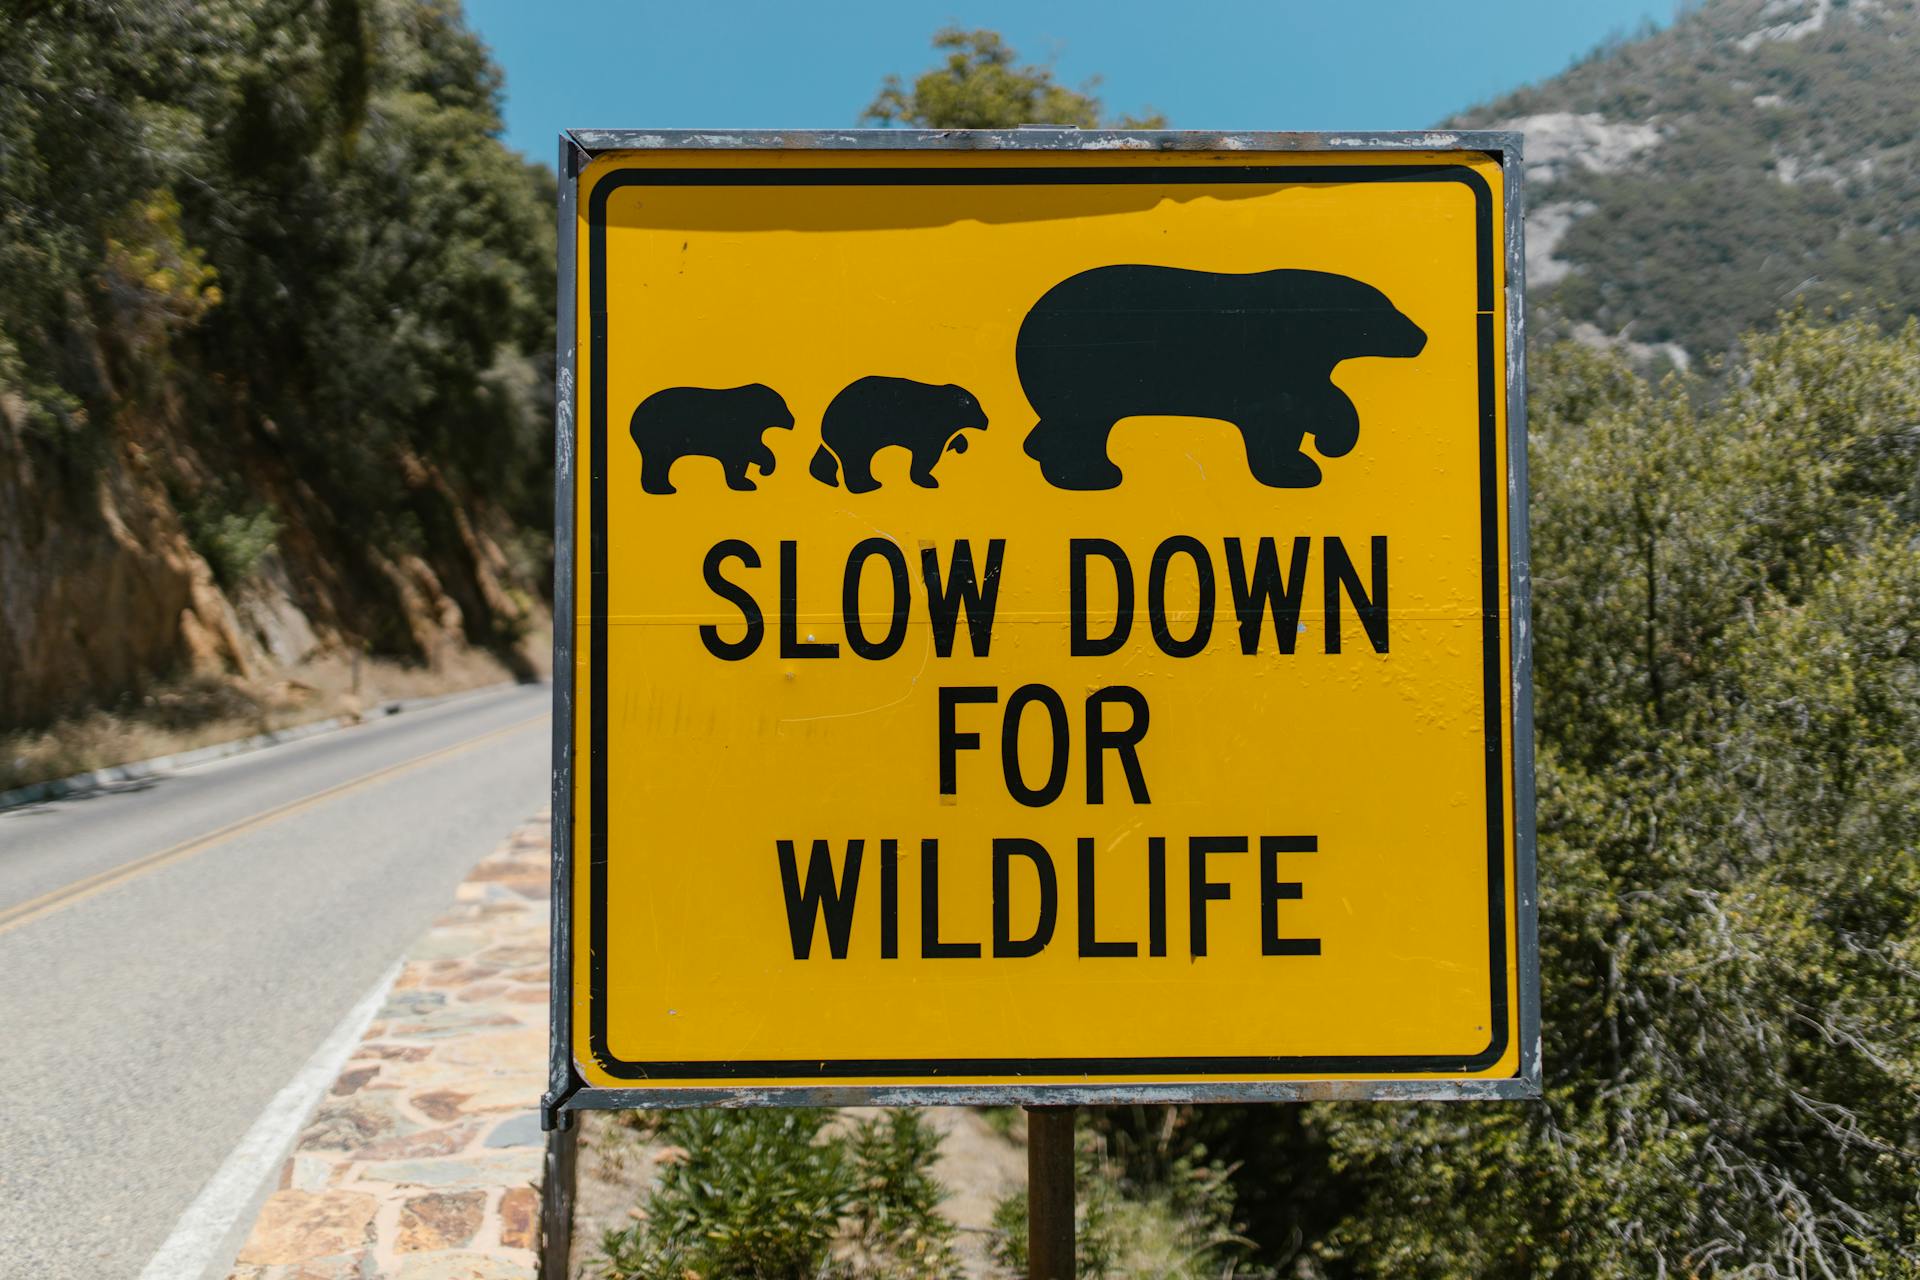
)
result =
(1044, 617)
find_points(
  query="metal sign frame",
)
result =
(567, 1092)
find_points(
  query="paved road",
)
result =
(151, 1007)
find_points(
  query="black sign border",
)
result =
(1493, 569)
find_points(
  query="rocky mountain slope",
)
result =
(1688, 184)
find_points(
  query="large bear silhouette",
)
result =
(708, 422)
(1257, 350)
(874, 412)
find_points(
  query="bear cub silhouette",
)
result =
(1257, 350)
(874, 412)
(723, 423)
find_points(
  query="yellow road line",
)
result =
(25, 913)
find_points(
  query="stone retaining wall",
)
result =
(424, 1162)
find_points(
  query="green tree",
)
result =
(980, 85)
(273, 254)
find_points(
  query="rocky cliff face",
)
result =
(102, 589)
(98, 586)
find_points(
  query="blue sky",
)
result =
(1238, 64)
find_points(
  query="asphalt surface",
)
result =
(151, 1006)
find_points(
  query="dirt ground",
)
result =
(977, 1166)
(182, 715)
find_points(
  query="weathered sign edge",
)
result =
(563, 1082)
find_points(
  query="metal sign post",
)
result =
(1050, 1225)
(1042, 619)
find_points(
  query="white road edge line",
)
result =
(205, 1231)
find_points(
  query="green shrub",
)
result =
(777, 1195)
(230, 541)
(896, 1226)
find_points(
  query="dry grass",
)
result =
(181, 715)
